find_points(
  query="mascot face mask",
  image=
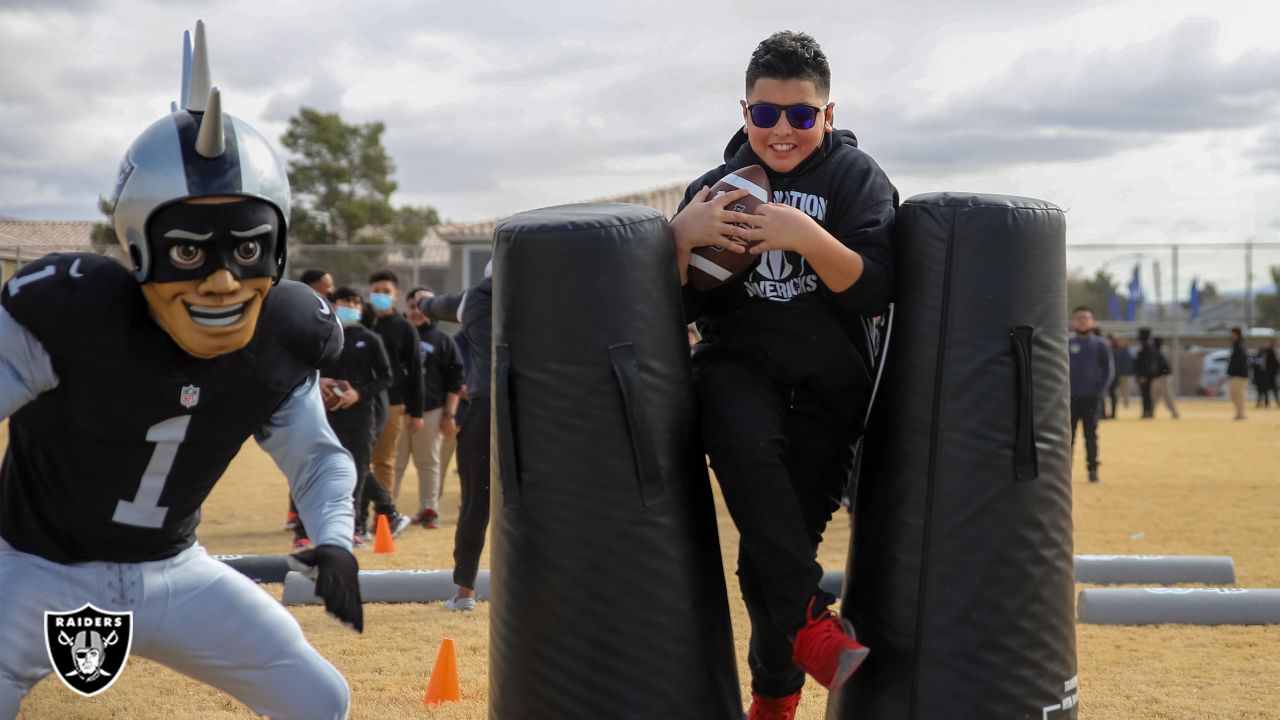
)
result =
(202, 205)
(213, 264)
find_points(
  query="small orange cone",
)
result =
(382, 542)
(443, 685)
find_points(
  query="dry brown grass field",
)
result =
(1200, 485)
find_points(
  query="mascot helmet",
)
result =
(196, 151)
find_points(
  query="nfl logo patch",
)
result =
(190, 396)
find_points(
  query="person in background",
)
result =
(348, 386)
(319, 280)
(1238, 372)
(1146, 367)
(1271, 366)
(1162, 383)
(441, 381)
(1123, 361)
(1092, 369)
(474, 309)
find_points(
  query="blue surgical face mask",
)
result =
(380, 302)
(348, 315)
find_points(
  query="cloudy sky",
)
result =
(1147, 125)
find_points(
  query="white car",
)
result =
(1213, 377)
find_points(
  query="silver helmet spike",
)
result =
(201, 82)
(210, 143)
(186, 69)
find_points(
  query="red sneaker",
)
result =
(428, 519)
(767, 708)
(826, 648)
(301, 543)
(291, 521)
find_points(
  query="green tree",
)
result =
(1092, 293)
(1268, 304)
(103, 236)
(341, 177)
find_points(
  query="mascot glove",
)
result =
(336, 574)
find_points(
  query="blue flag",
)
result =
(1195, 298)
(1113, 303)
(1135, 293)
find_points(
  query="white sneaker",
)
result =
(398, 523)
(460, 604)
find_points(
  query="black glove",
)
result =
(336, 574)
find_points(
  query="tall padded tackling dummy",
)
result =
(608, 590)
(961, 564)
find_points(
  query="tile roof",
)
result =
(665, 199)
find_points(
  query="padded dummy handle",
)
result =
(1026, 460)
(627, 373)
(508, 473)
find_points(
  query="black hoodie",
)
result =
(780, 311)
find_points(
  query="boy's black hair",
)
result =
(417, 289)
(787, 55)
(311, 275)
(1081, 308)
(346, 292)
(380, 275)
(1237, 331)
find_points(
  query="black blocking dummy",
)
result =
(608, 590)
(961, 562)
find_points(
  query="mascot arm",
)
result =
(25, 367)
(321, 472)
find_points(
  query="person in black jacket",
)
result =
(1238, 372)
(1146, 367)
(474, 309)
(403, 406)
(1271, 368)
(781, 378)
(349, 386)
(441, 382)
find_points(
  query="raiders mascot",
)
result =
(128, 393)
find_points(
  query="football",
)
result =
(709, 266)
(332, 391)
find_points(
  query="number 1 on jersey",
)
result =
(145, 509)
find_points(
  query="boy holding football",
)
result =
(782, 374)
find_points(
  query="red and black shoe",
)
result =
(767, 708)
(826, 647)
(428, 519)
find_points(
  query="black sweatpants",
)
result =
(783, 457)
(1084, 411)
(358, 441)
(1148, 406)
(473, 475)
(368, 487)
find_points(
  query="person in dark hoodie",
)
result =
(1091, 372)
(473, 308)
(349, 386)
(782, 376)
(1146, 368)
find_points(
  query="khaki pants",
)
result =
(424, 447)
(447, 447)
(1160, 391)
(384, 450)
(1238, 387)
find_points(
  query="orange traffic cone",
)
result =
(382, 541)
(443, 685)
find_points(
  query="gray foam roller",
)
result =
(392, 586)
(1185, 606)
(258, 568)
(1155, 569)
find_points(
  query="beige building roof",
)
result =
(41, 234)
(665, 199)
